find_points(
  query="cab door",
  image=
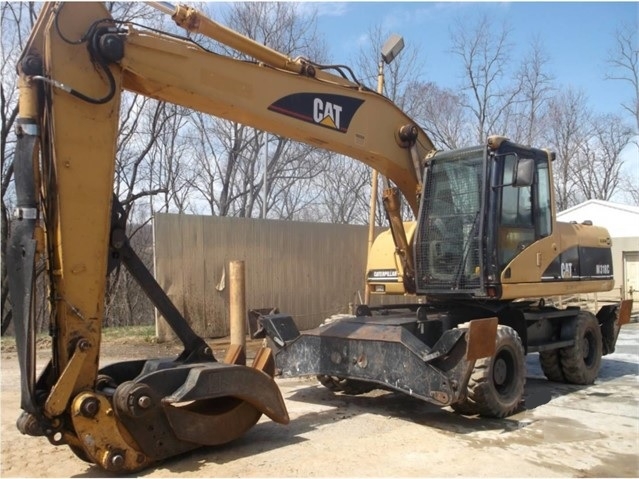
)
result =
(524, 222)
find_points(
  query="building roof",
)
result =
(621, 220)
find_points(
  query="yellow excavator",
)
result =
(485, 234)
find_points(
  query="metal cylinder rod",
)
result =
(165, 7)
(237, 302)
(194, 21)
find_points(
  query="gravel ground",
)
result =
(563, 431)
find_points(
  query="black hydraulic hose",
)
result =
(21, 259)
(91, 33)
(95, 101)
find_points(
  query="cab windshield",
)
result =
(448, 247)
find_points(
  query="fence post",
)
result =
(237, 303)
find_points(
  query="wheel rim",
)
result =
(504, 372)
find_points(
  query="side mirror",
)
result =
(524, 172)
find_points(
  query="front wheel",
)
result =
(496, 385)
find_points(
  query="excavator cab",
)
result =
(487, 216)
(486, 229)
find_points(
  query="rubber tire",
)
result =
(489, 398)
(550, 363)
(581, 362)
(346, 386)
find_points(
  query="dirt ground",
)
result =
(563, 431)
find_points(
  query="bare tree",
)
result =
(133, 11)
(345, 191)
(226, 149)
(569, 121)
(441, 113)
(624, 62)
(535, 91)
(484, 52)
(144, 122)
(170, 167)
(297, 199)
(232, 166)
(598, 169)
(631, 187)
(279, 25)
(292, 169)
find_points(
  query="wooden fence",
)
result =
(308, 270)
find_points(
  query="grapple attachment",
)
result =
(146, 411)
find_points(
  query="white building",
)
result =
(622, 221)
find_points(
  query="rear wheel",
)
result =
(581, 362)
(496, 386)
(551, 365)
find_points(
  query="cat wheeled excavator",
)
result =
(485, 234)
(484, 253)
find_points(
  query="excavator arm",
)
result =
(72, 73)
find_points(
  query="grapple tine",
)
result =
(212, 429)
(215, 380)
(235, 355)
(264, 361)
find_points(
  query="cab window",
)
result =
(516, 225)
(544, 215)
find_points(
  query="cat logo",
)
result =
(566, 270)
(330, 111)
(382, 275)
(326, 113)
